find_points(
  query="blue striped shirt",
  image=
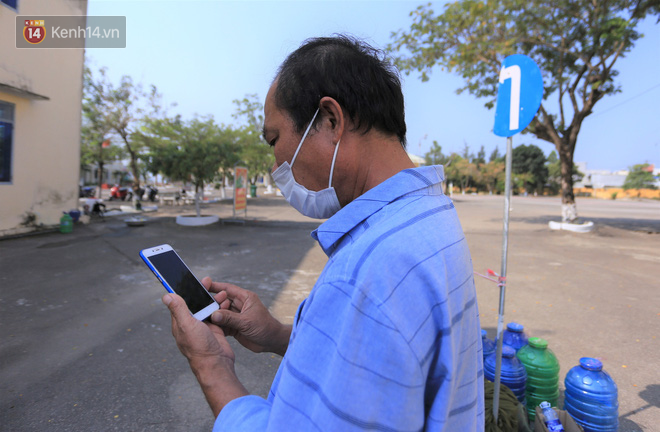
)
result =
(389, 337)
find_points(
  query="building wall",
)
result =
(46, 139)
(617, 193)
(113, 173)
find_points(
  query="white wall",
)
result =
(46, 141)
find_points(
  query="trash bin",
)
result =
(75, 215)
(253, 191)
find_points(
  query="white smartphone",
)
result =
(177, 278)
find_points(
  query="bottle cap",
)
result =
(508, 351)
(484, 333)
(515, 327)
(591, 364)
(537, 342)
(544, 405)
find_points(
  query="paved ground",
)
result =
(86, 343)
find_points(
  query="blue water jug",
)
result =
(513, 373)
(489, 346)
(591, 397)
(514, 336)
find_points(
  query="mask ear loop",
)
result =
(332, 167)
(295, 155)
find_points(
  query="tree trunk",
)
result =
(134, 167)
(135, 172)
(101, 167)
(198, 186)
(568, 207)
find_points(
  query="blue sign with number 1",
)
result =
(518, 96)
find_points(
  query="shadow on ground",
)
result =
(650, 226)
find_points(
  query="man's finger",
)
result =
(225, 318)
(220, 297)
(237, 295)
(215, 287)
(207, 282)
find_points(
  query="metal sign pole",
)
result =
(519, 97)
(502, 277)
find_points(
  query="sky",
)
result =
(202, 55)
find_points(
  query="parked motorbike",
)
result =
(139, 193)
(151, 193)
(86, 191)
(120, 193)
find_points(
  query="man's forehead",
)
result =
(269, 103)
(274, 116)
(270, 111)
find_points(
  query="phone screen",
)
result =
(181, 280)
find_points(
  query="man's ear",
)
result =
(332, 112)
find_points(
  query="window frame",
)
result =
(8, 122)
(14, 8)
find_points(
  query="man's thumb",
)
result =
(174, 303)
(224, 318)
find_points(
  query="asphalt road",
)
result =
(86, 342)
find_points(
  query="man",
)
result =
(388, 338)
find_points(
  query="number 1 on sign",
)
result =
(513, 73)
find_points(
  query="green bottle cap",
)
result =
(537, 342)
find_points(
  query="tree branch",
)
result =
(571, 90)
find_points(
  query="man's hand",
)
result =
(245, 317)
(196, 340)
(208, 352)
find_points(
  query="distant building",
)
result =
(113, 173)
(601, 179)
(40, 113)
(417, 160)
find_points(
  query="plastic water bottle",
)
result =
(551, 419)
(514, 336)
(489, 346)
(542, 370)
(591, 397)
(513, 373)
(66, 223)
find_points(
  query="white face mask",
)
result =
(319, 205)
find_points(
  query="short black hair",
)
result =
(359, 77)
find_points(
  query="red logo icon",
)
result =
(34, 31)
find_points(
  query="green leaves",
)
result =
(191, 150)
(571, 41)
(116, 111)
(531, 161)
(640, 177)
(253, 150)
(575, 43)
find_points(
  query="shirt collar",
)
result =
(367, 204)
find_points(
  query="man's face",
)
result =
(312, 166)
